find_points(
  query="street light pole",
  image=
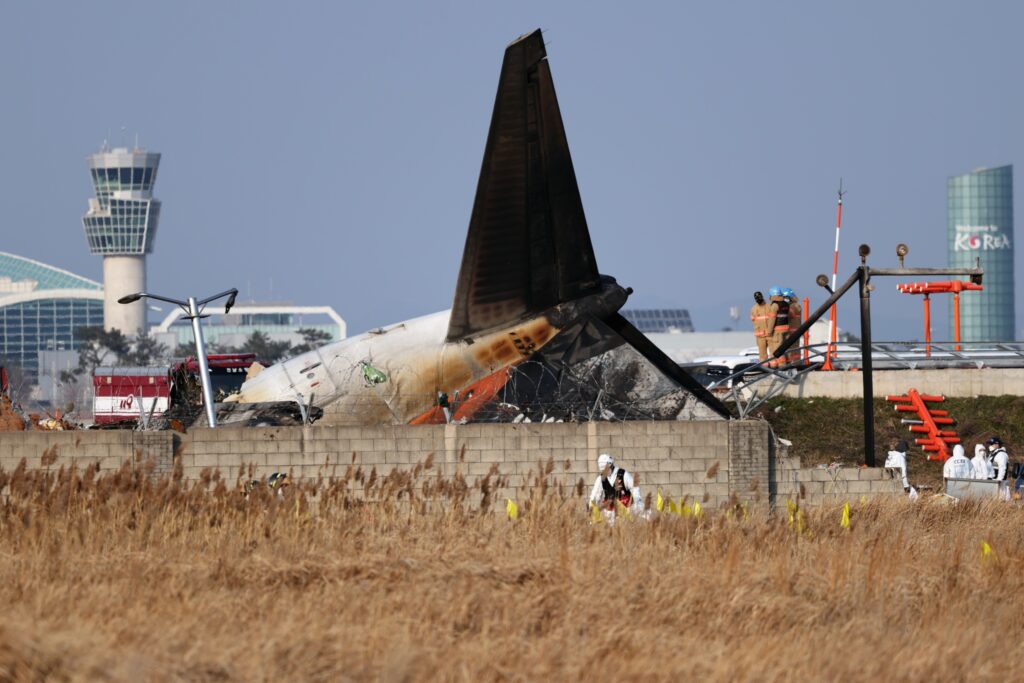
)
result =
(866, 374)
(194, 312)
(204, 366)
(862, 276)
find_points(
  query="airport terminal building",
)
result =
(41, 306)
(980, 206)
(278, 321)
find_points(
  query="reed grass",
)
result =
(413, 576)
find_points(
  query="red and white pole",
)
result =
(835, 269)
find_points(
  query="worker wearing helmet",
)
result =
(781, 327)
(762, 314)
(614, 485)
(998, 457)
(796, 312)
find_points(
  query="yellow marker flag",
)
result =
(863, 500)
(684, 509)
(986, 551)
(660, 505)
(697, 509)
(845, 521)
(672, 507)
(595, 514)
(791, 511)
(512, 509)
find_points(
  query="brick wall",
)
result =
(748, 465)
(704, 460)
(820, 485)
(675, 456)
(109, 449)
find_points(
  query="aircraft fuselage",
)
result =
(417, 362)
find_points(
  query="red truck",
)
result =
(120, 391)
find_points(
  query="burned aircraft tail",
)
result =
(528, 246)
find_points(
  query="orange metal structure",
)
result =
(953, 287)
(937, 441)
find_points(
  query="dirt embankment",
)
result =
(825, 430)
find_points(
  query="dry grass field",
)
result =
(131, 578)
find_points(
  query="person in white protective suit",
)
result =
(998, 457)
(958, 467)
(615, 484)
(982, 467)
(897, 460)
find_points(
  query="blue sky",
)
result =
(327, 153)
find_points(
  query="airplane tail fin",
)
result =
(528, 246)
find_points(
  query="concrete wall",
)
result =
(820, 485)
(109, 449)
(712, 461)
(675, 456)
(949, 382)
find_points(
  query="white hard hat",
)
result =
(604, 460)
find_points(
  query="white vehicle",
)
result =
(711, 370)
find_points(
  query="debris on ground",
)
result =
(269, 414)
(11, 420)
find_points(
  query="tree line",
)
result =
(99, 347)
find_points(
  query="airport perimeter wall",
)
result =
(960, 382)
(712, 461)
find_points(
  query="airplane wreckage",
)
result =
(534, 332)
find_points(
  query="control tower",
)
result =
(120, 226)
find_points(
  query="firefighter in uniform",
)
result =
(796, 312)
(762, 314)
(781, 327)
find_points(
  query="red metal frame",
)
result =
(221, 360)
(937, 440)
(953, 287)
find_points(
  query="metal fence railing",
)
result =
(751, 385)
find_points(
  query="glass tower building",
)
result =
(120, 226)
(41, 307)
(980, 226)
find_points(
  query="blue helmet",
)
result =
(788, 292)
(775, 291)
